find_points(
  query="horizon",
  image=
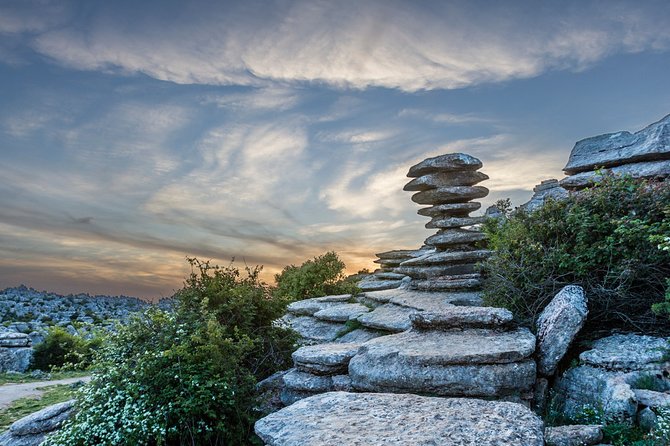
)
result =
(135, 135)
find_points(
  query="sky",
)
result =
(135, 134)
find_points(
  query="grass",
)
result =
(20, 378)
(25, 406)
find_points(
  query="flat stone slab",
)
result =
(454, 222)
(453, 194)
(628, 352)
(447, 257)
(314, 329)
(341, 313)
(445, 179)
(14, 339)
(307, 382)
(359, 335)
(340, 418)
(377, 285)
(468, 282)
(388, 317)
(574, 435)
(308, 307)
(324, 359)
(651, 398)
(481, 363)
(648, 169)
(436, 301)
(429, 271)
(452, 237)
(463, 317)
(450, 209)
(450, 162)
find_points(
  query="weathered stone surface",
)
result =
(589, 387)
(455, 237)
(360, 335)
(427, 272)
(470, 281)
(453, 194)
(388, 276)
(648, 169)
(307, 382)
(445, 179)
(447, 257)
(14, 339)
(547, 190)
(339, 418)
(628, 352)
(451, 162)
(435, 301)
(33, 429)
(454, 222)
(403, 254)
(324, 359)
(574, 435)
(463, 317)
(540, 396)
(614, 149)
(341, 313)
(290, 396)
(450, 209)
(314, 329)
(388, 317)
(308, 307)
(378, 285)
(647, 419)
(342, 383)
(651, 398)
(557, 326)
(15, 359)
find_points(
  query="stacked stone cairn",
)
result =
(448, 184)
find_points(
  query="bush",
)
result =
(321, 276)
(605, 238)
(185, 376)
(62, 349)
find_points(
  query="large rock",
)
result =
(455, 237)
(547, 190)
(14, 339)
(324, 359)
(436, 301)
(451, 162)
(648, 169)
(454, 222)
(445, 179)
(574, 435)
(651, 398)
(32, 430)
(448, 283)
(341, 313)
(477, 363)
(446, 257)
(628, 352)
(453, 194)
(15, 359)
(388, 317)
(463, 317)
(427, 272)
(359, 336)
(308, 307)
(614, 149)
(339, 418)
(450, 209)
(557, 326)
(312, 329)
(307, 382)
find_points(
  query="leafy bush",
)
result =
(62, 349)
(605, 238)
(186, 376)
(321, 276)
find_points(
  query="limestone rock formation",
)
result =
(15, 351)
(557, 326)
(574, 435)
(340, 418)
(33, 429)
(628, 352)
(546, 190)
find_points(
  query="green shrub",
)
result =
(605, 239)
(61, 349)
(185, 376)
(321, 276)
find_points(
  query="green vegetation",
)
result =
(61, 349)
(610, 239)
(321, 276)
(187, 376)
(25, 406)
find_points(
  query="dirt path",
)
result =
(12, 392)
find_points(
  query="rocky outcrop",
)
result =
(15, 352)
(546, 190)
(340, 418)
(557, 326)
(33, 429)
(645, 154)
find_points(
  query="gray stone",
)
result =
(648, 169)
(477, 363)
(342, 383)
(401, 254)
(388, 317)
(454, 222)
(341, 313)
(14, 339)
(435, 301)
(307, 382)
(557, 326)
(427, 272)
(453, 194)
(308, 307)
(313, 329)
(574, 435)
(388, 276)
(290, 396)
(32, 430)
(450, 209)
(378, 285)
(463, 317)
(15, 359)
(445, 179)
(540, 396)
(451, 162)
(469, 281)
(455, 237)
(447, 257)
(614, 149)
(359, 335)
(547, 190)
(651, 398)
(628, 352)
(647, 419)
(324, 359)
(339, 418)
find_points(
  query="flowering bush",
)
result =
(186, 376)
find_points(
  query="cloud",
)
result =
(405, 45)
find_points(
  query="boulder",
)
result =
(445, 179)
(33, 429)
(308, 307)
(451, 162)
(557, 326)
(436, 301)
(447, 257)
(548, 189)
(651, 398)
(388, 317)
(450, 209)
(15, 359)
(463, 317)
(14, 339)
(341, 313)
(448, 283)
(340, 418)
(453, 194)
(312, 329)
(324, 359)
(455, 237)
(307, 382)
(648, 169)
(574, 435)
(628, 352)
(614, 149)
(427, 272)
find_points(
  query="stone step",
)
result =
(447, 257)
(463, 317)
(466, 282)
(377, 285)
(312, 329)
(375, 419)
(388, 276)
(324, 359)
(306, 382)
(435, 301)
(450, 209)
(341, 312)
(453, 194)
(388, 317)
(427, 272)
(484, 363)
(308, 307)
(445, 179)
